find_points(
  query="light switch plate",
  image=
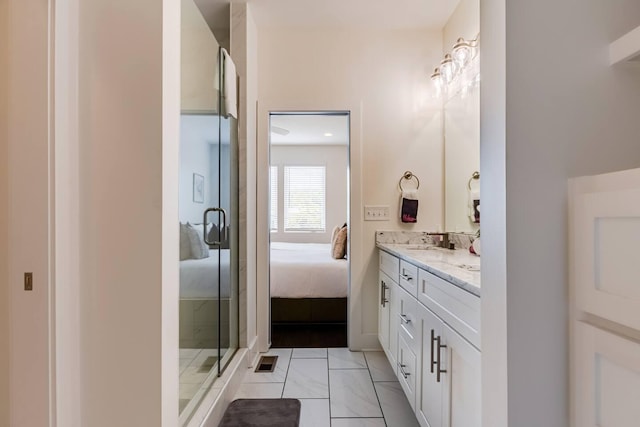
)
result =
(376, 213)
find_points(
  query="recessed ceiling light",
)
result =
(328, 134)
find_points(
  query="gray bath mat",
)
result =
(262, 413)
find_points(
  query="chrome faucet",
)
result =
(444, 241)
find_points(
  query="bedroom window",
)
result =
(273, 202)
(304, 198)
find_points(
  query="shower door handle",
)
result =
(222, 228)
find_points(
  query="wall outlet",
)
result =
(376, 213)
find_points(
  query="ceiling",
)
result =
(336, 14)
(348, 14)
(310, 129)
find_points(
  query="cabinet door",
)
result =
(462, 381)
(384, 284)
(606, 380)
(431, 391)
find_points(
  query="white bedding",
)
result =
(199, 277)
(307, 270)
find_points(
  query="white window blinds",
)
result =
(273, 202)
(304, 198)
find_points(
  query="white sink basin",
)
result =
(469, 267)
(420, 247)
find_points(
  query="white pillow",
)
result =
(199, 248)
(185, 243)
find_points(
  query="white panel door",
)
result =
(607, 379)
(605, 255)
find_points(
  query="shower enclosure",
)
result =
(208, 213)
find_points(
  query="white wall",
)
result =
(386, 72)
(244, 51)
(129, 128)
(335, 159)
(560, 124)
(197, 153)
(464, 22)
(27, 172)
(4, 210)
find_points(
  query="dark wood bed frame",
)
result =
(308, 311)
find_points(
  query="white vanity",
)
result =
(429, 328)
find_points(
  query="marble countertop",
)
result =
(456, 266)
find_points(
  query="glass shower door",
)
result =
(208, 210)
(227, 219)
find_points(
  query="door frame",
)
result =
(356, 339)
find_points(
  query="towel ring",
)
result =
(476, 175)
(408, 176)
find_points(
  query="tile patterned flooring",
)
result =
(337, 387)
(195, 374)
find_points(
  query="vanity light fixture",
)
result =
(436, 78)
(459, 70)
(461, 52)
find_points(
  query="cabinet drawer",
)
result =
(407, 371)
(408, 319)
(409, 278)
(390, 265)
(455, 306)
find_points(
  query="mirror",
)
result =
(462, 159)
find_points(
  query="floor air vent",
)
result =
(267, 364)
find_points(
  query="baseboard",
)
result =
(252, 353)
(222, 392)
(365, 342)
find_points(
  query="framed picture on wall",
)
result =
(198, 188)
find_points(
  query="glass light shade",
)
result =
(447, 69)
(436, 78)
(462, 52)
(475, 47)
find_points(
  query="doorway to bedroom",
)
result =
(308, 228)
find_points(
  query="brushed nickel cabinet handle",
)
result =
(383, 293)
(404, 374)
(433, 339)
(439, 370)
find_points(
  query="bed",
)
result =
(199, 277)
(307, 285)
(199, 300)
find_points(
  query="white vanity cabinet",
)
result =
(437, 359)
